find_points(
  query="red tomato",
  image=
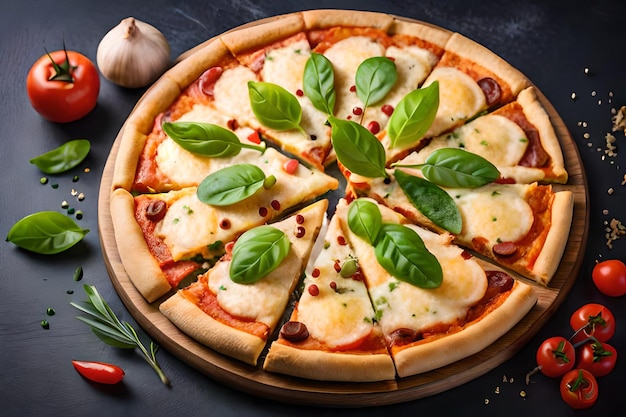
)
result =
(597, 357)
(101, 372)
(610, 277)
(592, 320)
(579, 389)
(63, 86)
(555, 356)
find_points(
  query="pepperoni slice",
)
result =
(491, 89)
(504, 248)
(294, 331)
(208, 79)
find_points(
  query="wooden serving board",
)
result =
(336, 394)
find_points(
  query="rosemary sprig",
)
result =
(105, 324)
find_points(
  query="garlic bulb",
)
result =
(133, 54)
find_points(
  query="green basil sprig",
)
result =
(63, 158)
(357, 148)
(398, 249)
(46, 232)
(431, 201)
(374, 78)
(258, 252)
(319, 83)
(413, 115)
(457, 168)
(231, 185)
(401, 251)
(274, 106)
(206, 139)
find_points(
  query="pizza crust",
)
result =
(324, 19)
(472, 339)
(200, 326)
(328, 366)
(130, 148)
(554, 246)
(536, 114)
(257, 36)
(475, 52)
(141, 267)
(436, 36)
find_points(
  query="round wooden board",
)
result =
(336, 394)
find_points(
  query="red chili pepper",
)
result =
(104, 373)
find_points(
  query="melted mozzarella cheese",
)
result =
(494, 212)
(402, 305)
(231, 93)
(346, 56)
(285, 67)
(460, 98)
(496, 138)
(341, 317)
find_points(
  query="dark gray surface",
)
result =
(551, 42)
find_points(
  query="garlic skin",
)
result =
(133, 54)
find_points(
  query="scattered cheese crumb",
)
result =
(573, 96)
(497, 391)
(610, 147)
(614, 230)
(624, 180)
(522, 394)
(619, 120)
(486, 401)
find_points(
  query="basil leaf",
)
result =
(258, 252)
(431, 201)
(365, 220)
(319, 83)
(230, 185)
(206, 139)
(413, 115)
(452, 167)
(402, 253)
(63, 158)
(274, 106)
(374, 78)
(357, 148)
(46, 232)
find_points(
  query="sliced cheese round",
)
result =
(460, 97)
(496, 138)
(495, 214)
(231, 93)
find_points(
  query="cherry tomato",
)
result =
(555, 356)
(592, 320)
(597, 357)
(63, 86)
(101, 372)
(579, 389)
(610, 277)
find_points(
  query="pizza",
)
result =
(341, 196)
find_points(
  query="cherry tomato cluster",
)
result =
(582, 358)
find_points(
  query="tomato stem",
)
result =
(63, 71)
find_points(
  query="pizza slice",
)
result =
(439, 304)
(517, 138)
(236, 316)
(523, 227)
(163, 230)
(471, 79)
(332, 334)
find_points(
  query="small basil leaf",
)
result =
(46, 232)
(206, 139)
(357, 148)
(63, 158)
(274, 106)
(374, 78)
(402, 253)
(413, 115)
(319, 83)
(230, 185)
(365, 220)
(431, 201)
(457, 168)
(258, 252)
